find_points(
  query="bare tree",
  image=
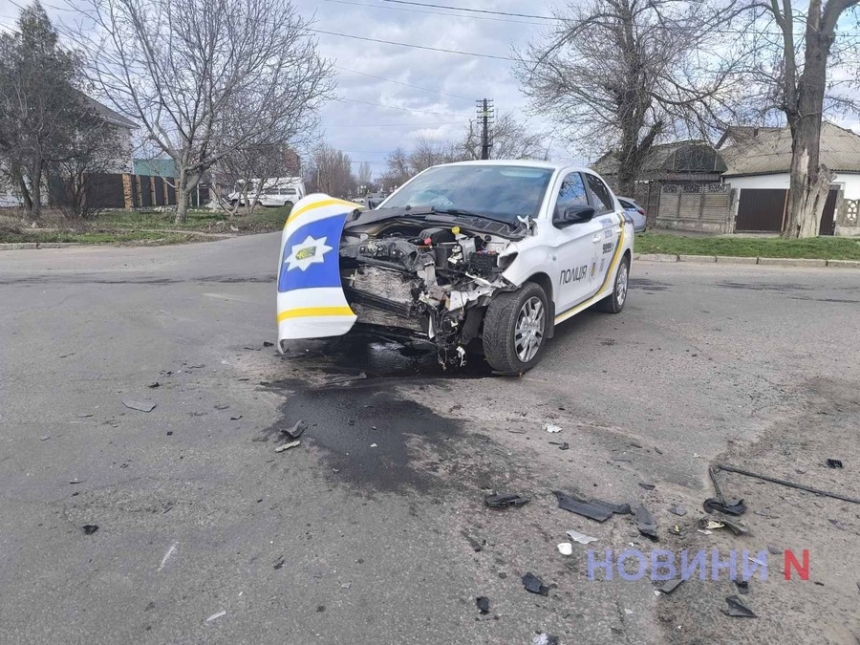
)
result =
(618, 74)
(204, 77)
(511, 140)
(397, 170)
(802, 77)
(330, 172)
(365, 176)
(94, 150)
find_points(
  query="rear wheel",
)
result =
(515, 329)
(615, 303)
(288, 205)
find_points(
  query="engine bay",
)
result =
(433, 280)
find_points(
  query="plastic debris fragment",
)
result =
(535, 585)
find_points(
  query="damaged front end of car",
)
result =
(426, 273)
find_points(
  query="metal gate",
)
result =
(828, 217)
(761, 210)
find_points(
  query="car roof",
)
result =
(528, 163)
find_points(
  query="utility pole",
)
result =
(485, 115)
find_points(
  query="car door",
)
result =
(608, 220)
(575, 246)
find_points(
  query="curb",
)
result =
(726, 259)
(20, 246)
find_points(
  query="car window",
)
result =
(625, 204)
(494, 191)
(601, 194)
(571, 193)
(288, 191)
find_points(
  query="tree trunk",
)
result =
(25, 193)
(36, 191)
(810, 180)
(185, 185)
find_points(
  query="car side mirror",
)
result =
(573, 215)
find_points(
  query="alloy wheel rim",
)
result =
(621, 284)
(528, 334)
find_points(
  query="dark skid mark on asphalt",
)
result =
(763, 286)
(341, 421)
(85, 279)
(836, 300)
(646, 284)
(342, 412)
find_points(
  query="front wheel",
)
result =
(614, 303)
(515, 328)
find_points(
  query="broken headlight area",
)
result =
(434, 281)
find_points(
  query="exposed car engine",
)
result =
(435, 279)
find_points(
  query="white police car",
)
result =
(488, 255)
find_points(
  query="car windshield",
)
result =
(496, 192)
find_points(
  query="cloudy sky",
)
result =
(375, 116)
(360, 125)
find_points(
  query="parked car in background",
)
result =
(280, 196)
(635, 211)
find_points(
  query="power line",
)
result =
(496, 13)
(394, 107)
(439, 13)
(393, 125)
(432, 49)
(390, 80)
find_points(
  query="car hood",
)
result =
(311, 301)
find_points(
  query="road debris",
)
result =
(671, 585)
(645, 522)
(782, 482)
(680, 511)
(141, 406)
(833, 463)
(581, 538)
(473, 542)
(295, 431)
(483, 604)
(535, 585)
(545, 639)
(647, 486)
(154, 385)
(236, 418)
(222, 407)
(720, 503)
(167, 555)
(287, 446)
(565, 548)
(505, 500)
(268, 344)
(89, 529)
(839, 525)
(551, 427)
(735, 527)
(279, 563)
(594, 509)
(216, 616)
(774, 550)
(737, 609)
(743, 586)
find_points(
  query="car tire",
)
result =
(288, 205)
(615, 302)
(514, 322)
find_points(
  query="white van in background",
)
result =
(277, 191)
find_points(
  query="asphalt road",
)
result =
(374, 529)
